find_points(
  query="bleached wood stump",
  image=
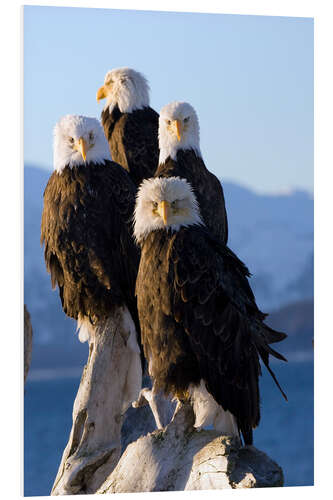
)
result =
(174, 458)
(94, 445)
(27, 342)
(181, 458)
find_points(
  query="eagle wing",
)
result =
(214, 303)
(141, 144)
(133, 140)
(86, 229)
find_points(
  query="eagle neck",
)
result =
(185, 164)
(171, 150)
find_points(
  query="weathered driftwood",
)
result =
(27, 342)
(106, 390)
(181, 458)
(174, 458)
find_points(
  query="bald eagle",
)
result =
(180, 156)
(130, 124)
(87, 231)
(202, 332)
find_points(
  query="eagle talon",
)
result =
(143, 398)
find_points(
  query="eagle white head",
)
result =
(126, 88)
(78, 140)
(164, 203)
(178, 129)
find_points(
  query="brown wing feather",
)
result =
(172, 363)
(213, 302)
(133, 141)
(86, 229)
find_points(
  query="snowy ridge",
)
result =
(274, 236)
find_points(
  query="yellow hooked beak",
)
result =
(81, 146)
(163, 209)
(178, 129)
(101, 93)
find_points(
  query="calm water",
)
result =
(285, 432)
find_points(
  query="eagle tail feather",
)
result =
(273, 336)
(276, 381)
(262, 341)
(246, 433)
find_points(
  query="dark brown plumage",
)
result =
(206, 187)
(87, 231)
(133, 140)
(199, 320)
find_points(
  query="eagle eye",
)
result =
(186, 119)
(91, 136)
(71, 140)
(155, 204)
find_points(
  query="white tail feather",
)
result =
(208, 413)
(84, 328)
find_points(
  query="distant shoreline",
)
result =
(76, 372)
(54, 373)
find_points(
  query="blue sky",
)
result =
(250, 79)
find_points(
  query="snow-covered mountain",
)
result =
(273, 235)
